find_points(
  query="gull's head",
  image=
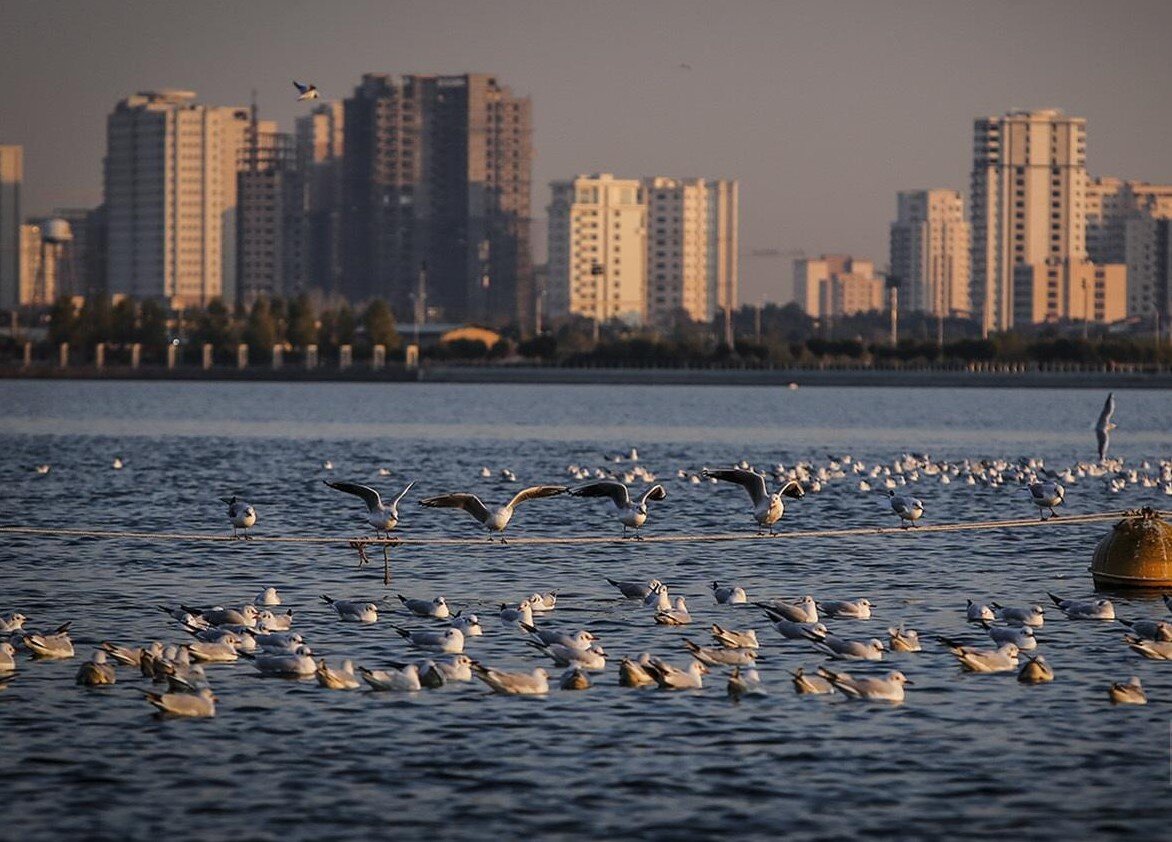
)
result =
(302, 650)
(865, 603)
(250, 611)
(439, 600)
(99, 657)
(540, 673)
(17, 618)
(598, 650)
(876, 644)
(899, 678)
(820, 629)
(370, 606)
(642, 509)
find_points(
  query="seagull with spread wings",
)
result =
(767, 507)
(379, 515)
(630, 514)
(306, 91)
(1103, 426)
(494, 520)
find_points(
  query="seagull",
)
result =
(14, 623)
(299, 662)
(450, 640)
(469, 624)
(722, 656)
(437, 608)
(1153, 650)
(405, 679)
(636, 590)
(121, 654)
(574, 679)
(437, 671)
(1020, 636)
(1035, 671)
(805, 610)
(634, 673)
(744, 683)
(540, 602)
(972, 659)
(859, 609)
(200, 704)
(546, 637)
(1032, 615)
(353, 612)
(43, 469)
(593, 658)
(669, 677)
(382, 517)
(497, 519)
(337, 679)
(242, 515)
(522, 614)
(55, 645)
(888, 689)
(1094, 609)
(792, 630)
(96, 672)
(1103, 426)
(908, 508)
(306, 92)
(219, 652)
(220, 616)
(849, 650)
(904, 640)
(767, 508)
(117, 466)
(7, 657)
(975, 612)
(630, 514)
(278, 642)
(677, 615)
(685, 66)
(268, 596)
(1047, 495)
(732, 639)
(534, 683)
(813, 685)
(269, 622)
(1150, 629)
(1127, 693)
(657, 599)
(729, 595)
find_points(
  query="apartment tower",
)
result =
(930, 252)
(11, 177)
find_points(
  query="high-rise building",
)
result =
(170, 197)
(1125, 224)
(11, 178)
(677, 250)
(930, 252)
(47, 262)
(1077, 290)
(598, 249)
(724, 268)
(837, 285)
(320, 143)
(436, 177)
(74, 277)
(1028, 198)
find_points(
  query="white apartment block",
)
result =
(677, 250)
(930, 252)
(1028, 199)
(837, 285)
(170, 193)
(1128, 223)
(11, 178)
(598, 249)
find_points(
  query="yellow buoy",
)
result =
(1136, 554)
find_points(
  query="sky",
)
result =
(823, 110)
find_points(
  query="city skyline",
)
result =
(819, 146)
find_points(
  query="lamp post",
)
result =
(598, 271)
(419, 300)
(1086, 311)
(893, 304)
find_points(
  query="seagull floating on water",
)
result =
(195, 705)
(1091, 609)
(353, 612)
(1127, 693)
(886, 689)
(534, 683)
(437, 608)
(1035, 671)
(636, 590)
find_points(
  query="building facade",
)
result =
(837, 285)
(436, 178)
(320, 137)
(677, 251)
(1069, 290)
(170, 197)
(930, 252)
(724, 266)
(1028, 203)
(11, 179)
(1127, 223)
(598, 249)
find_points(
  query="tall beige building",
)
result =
(837, 285)
(723, 244)
(677, 250)
(1070, 289)
(1029, 187)
(930, 252)
(1127, 222)
(11, 178)
(170, 188)
(598, 249)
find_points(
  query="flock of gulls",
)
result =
(440, 643)
(260, 633)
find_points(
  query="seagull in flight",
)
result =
(306, 91)
(379, 515)
(685, 66)
(1103, 426)
(767, 508)
(494, 520)
(629, 513)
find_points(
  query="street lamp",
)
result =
(1086, 311)
(598, 272)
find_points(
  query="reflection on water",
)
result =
(285, 759)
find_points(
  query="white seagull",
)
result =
(1031, 615)
(1127, 693)
(1104, 425)
(200, 704)
(497, 519)
(96, 672)
(1091, 609)
(859, 609)
(337, 679)
(437, 608)
(908, 508)
(1046, 495)
(306, 92)
(669, 677)
(242, 515)
(729, 594)
(449, 640)
(534, 683)
(405, 679)
(379, 515)
(1035, 671)
(767, 507)
(1002, 659)
(887, 689)
(630, 514)
(353, 612)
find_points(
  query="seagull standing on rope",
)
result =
(767, 508)
(908, 508)
(494, 520)
(629, 513)
(1104, 426)
(379, 515)
(242, 515)
(1047, 495)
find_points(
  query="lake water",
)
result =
(971, 755)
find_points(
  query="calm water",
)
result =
(982, 755)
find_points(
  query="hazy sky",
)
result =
(822, 109)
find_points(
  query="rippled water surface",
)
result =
(981, 755)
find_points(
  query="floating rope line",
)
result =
(361, 543)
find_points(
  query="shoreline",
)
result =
(538, 375)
